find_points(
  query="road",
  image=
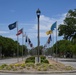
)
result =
(68, 61)
(10, 60)
(38, 74)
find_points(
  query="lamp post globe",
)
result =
(38, 12)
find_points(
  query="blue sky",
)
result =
(24, 11)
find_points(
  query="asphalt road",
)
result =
(38, 74)
(68, 61)
(10, 60)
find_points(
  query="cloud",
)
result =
(4, 32)
(45, 24)
(14, 36)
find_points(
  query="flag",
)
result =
(31, 45)
(29, 41)
(12, 26)
(53, 26)
(48, 32)
(49, 39)
(19, 32)
(26, 39)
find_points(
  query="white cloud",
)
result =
(14, 36)
(4, 32)
(45, 24)
(43, 34)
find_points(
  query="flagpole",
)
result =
(56, 41)
(53, 47)
(22, 45)
(25, 44)
(17, 44)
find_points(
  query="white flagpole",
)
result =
(25, 42)
(17, 44)
(56, 41)
(22, 44)
(52, 46)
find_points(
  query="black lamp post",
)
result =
(38, 12)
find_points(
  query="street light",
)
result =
(38, 12)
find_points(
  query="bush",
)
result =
(43, 57)
(3, 66)
(30, 60)
(42, 60)
(45, 61)
(29, 65)
(23, 65)
(8, 68)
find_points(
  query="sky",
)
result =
(24, 12)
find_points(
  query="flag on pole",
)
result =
(12, 26)
(53, 26)
(26, 39)
(31, 45)
(19, 32)
(29, 41)
(48, 32)
(49, 39)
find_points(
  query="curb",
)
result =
(38, 72)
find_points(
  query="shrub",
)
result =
(42, 60)
(43, 57)
(30, 60)
(29, 64)
(17, 65)
(11, 65)
(38, 64)
(45, 69)
(3, 66)
(8, 68)
(39, 68)
(23, 65)
(45, 61)
(69, 68)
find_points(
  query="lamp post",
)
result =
(38, 12)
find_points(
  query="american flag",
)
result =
(19, 32)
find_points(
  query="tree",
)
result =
(34, 51)
(63, 46)
(68, 29)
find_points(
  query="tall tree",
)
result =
(68, 29)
